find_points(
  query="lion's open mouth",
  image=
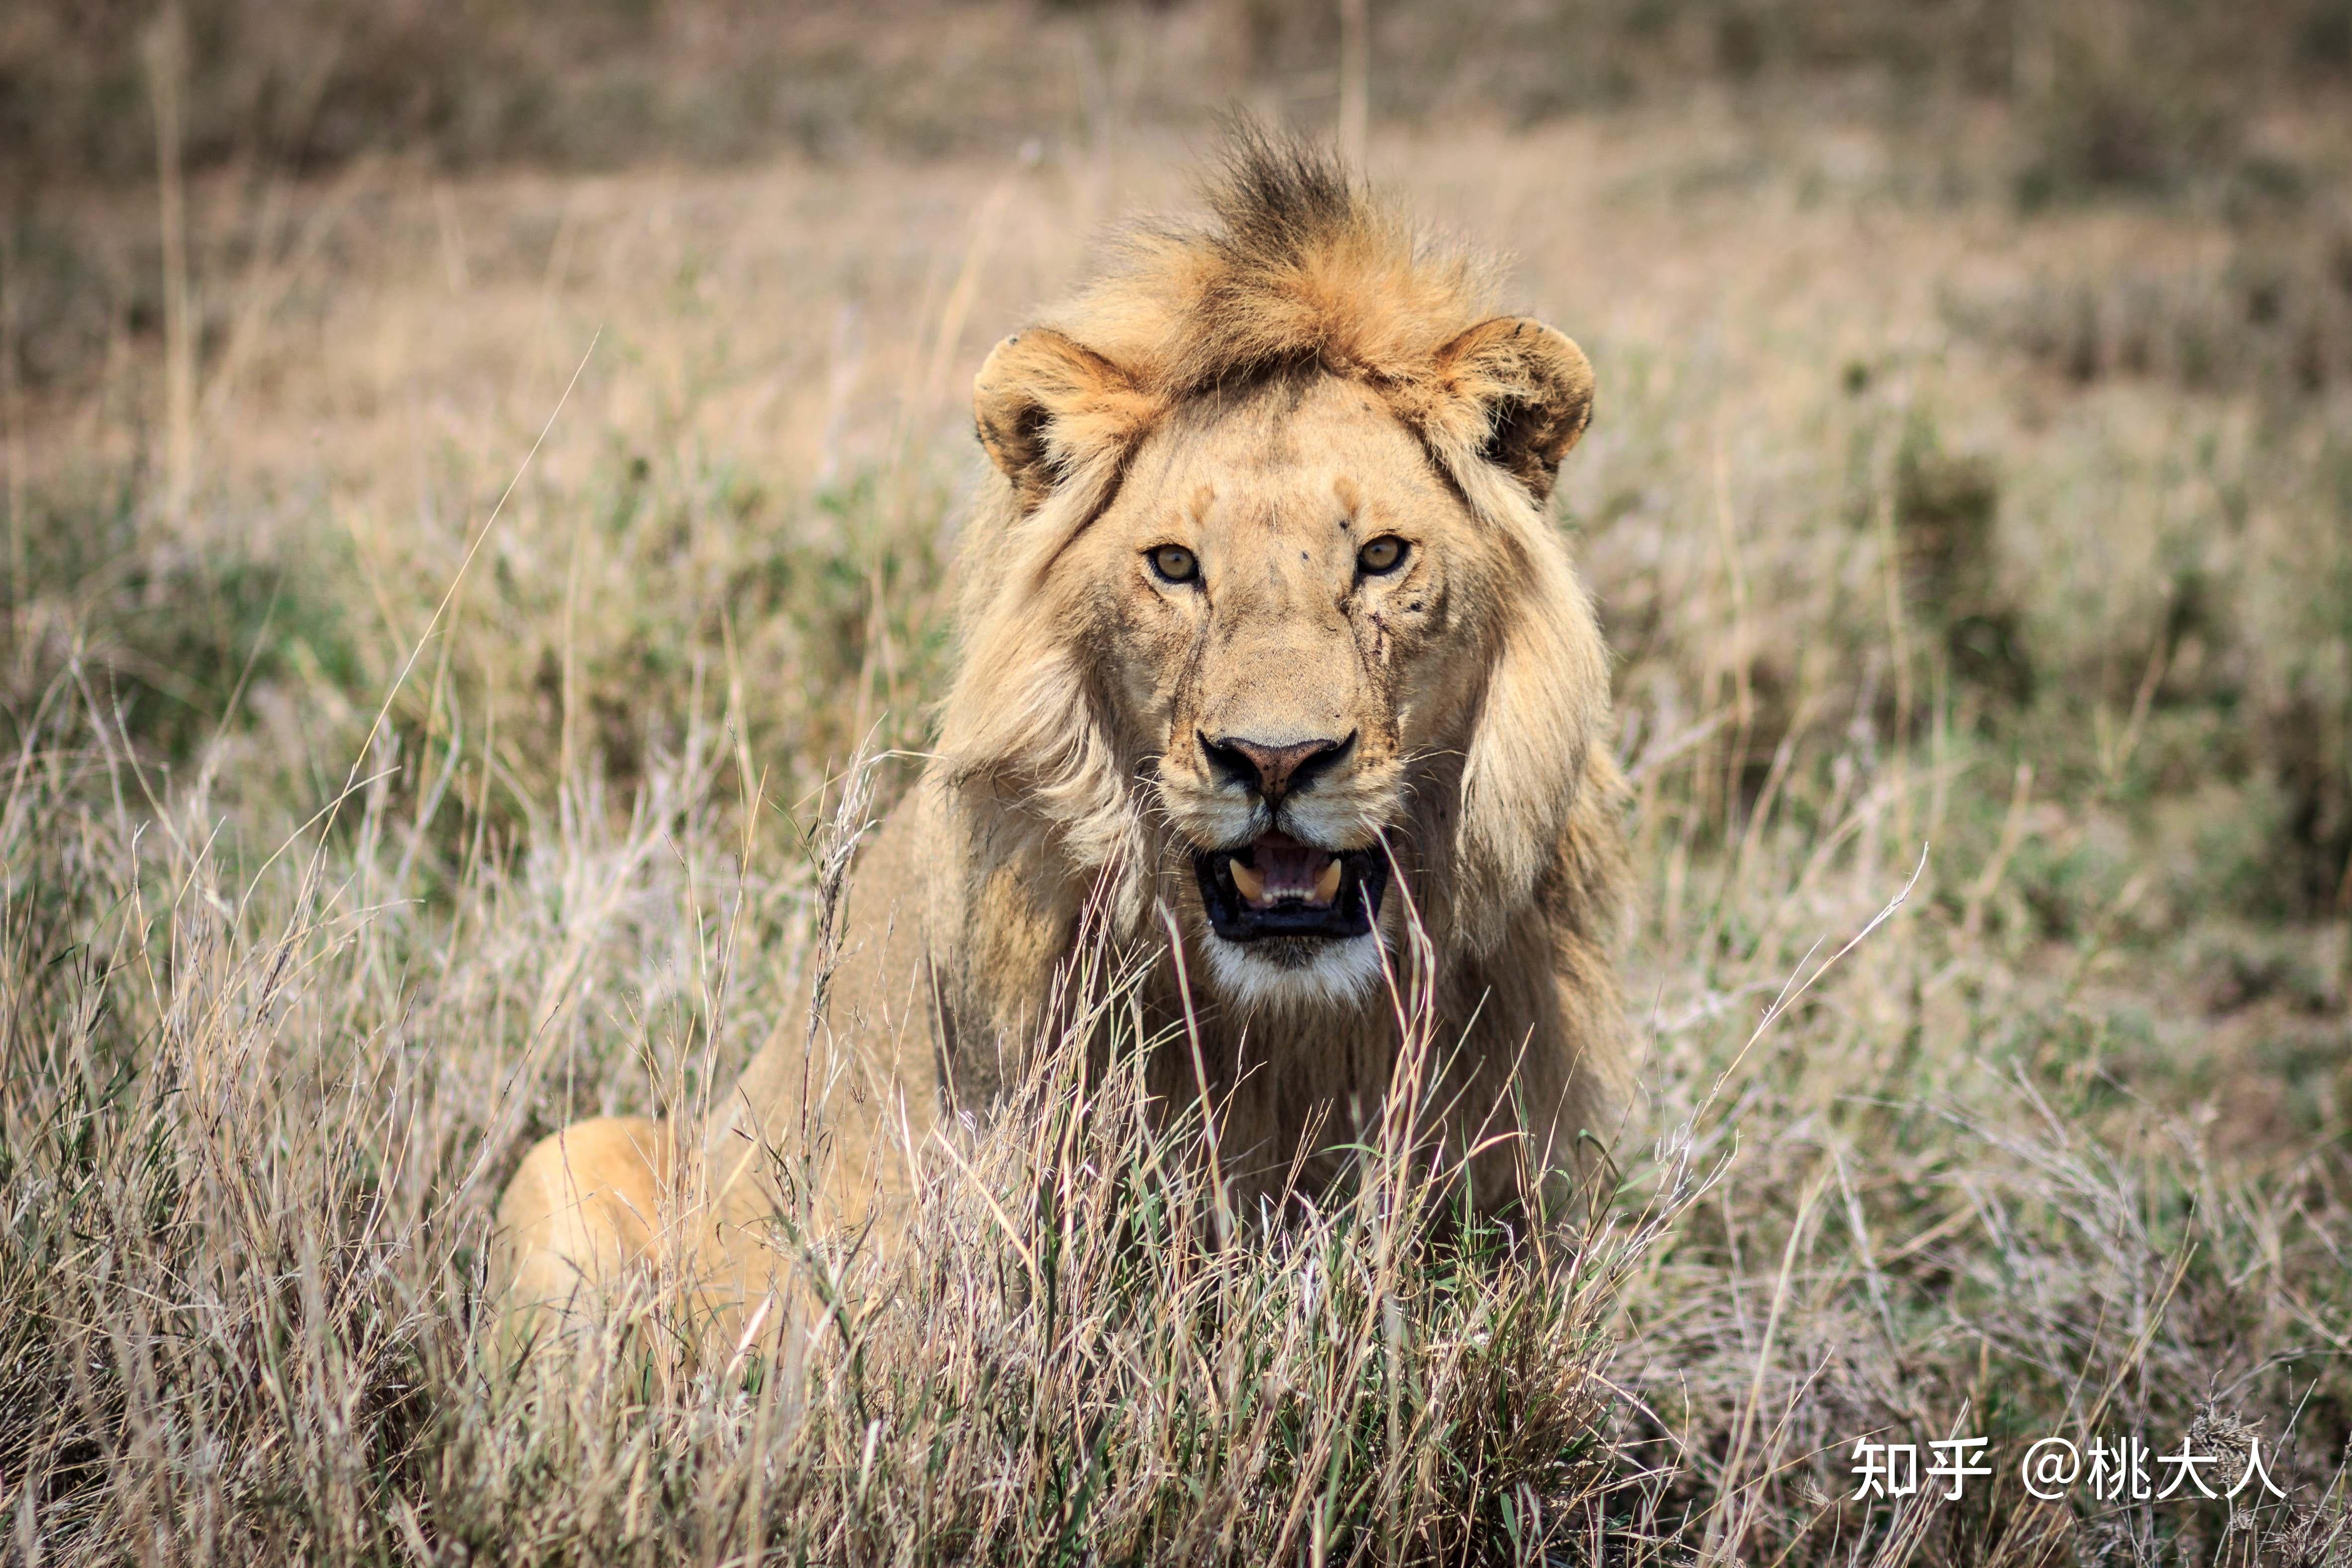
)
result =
(1279, 887)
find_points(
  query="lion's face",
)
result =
(1261, 644)
(1287, 623)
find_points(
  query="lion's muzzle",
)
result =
(1276, 887)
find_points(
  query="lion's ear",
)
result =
(1045, 404)
(1512, 392)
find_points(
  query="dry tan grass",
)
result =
(2058, 1149)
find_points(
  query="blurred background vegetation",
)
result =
(2146, 95)
(2140, 94)
(585, 386)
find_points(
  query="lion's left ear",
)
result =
(1510, 392)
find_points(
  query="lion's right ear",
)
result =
(1045, 405)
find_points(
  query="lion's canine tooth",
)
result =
(1251, 885)
(1327, 886)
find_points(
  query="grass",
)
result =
(1906, 602)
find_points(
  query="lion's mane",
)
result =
(1293, 267)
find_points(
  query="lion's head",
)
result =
(1266, 602)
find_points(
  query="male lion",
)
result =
(1266, 644)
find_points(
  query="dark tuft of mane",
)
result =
(1293, 263)
(1277, 196)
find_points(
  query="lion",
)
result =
(1267, 655)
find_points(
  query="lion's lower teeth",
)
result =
(1327, 886)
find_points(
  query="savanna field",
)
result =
(458, 581)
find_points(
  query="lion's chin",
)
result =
(1291, 973)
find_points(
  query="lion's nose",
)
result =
(1273, 772)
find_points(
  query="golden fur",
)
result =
(1270, 388)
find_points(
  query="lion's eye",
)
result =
(1174, 563)
(1383, 554)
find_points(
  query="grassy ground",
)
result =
(420, 724)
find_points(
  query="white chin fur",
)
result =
(1334, 973)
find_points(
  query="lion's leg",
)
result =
(584, 1207)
